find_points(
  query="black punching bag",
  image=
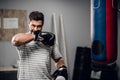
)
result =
(82, 65)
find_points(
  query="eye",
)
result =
(33, 25)
(39, 26)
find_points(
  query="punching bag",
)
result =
(104, 31)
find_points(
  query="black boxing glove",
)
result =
(61, 73)
(48, 38)
(37, 34)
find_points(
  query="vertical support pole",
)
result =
(55, 28)
(63, 39)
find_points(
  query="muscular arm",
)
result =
(22, 38)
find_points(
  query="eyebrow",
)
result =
(36, 25)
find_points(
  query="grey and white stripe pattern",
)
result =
(35, 61)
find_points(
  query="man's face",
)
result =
(35, 25)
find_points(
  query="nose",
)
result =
(37, 28)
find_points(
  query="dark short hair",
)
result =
(36, 15)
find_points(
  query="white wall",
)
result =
(76, 14)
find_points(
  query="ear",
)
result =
(28, 28)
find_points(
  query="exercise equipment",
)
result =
(104, 31)
(37, 34)
(63, 39)
(104, 72)
(47, 38)
(82, 64)
(61, 73)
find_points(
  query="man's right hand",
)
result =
(37, 34)
(46, 38)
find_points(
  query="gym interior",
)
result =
(86, 57)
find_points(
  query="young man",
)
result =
(35, 51)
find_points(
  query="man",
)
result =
(36, 50)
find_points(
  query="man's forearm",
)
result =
(22, 38)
